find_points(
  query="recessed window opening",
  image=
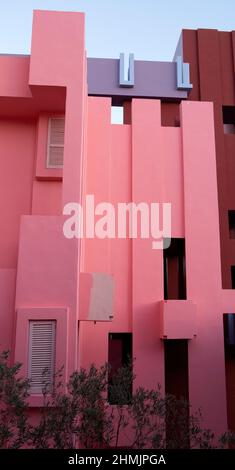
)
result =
(231, 221)
(229, 119)
(119, 356)
(174, 270)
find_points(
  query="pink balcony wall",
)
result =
(178, 319)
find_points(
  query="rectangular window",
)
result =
(170, 114)
(229, 349)
(119, 355)
(229, 119)
(174, 270)
(231, 221)
(41, 363)
(55, 149)
(233, 276)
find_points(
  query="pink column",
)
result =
(147, 264)
(58, 59)
(206, 352)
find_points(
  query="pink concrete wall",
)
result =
(15, 66)
(47, 198)
(107, 175)
(7, 296)
(206, 353)
(53, 63)
(178, 319)
(161, 164)
(17, 145)
(139, 162)
(147, 264)
(58, 59)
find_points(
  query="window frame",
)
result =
(21, 350)
(53, 353)
(49, 145)
(42, 172)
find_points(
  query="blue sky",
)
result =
(149, 28)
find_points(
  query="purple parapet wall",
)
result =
(152, 80)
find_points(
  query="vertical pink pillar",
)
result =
(147, 264)
(206, 352)
(107, 175)
(96, 253)
(58, 59)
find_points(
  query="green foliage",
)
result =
(79, 415)
(13, 405)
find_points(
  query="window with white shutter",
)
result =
(41, 366)
(55, 149)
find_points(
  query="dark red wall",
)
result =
(211, 55)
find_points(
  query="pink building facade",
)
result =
(93, 300)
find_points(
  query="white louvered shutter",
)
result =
(55, 151)
(42, 335)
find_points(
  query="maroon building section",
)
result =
(211, 55)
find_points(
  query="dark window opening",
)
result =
(229, 329)
(229, 349)
(170, 114)
(174, 270)
(120, 363)
(127, 112)
(176, 384)
(229, 119)
(233, 276)
(231, 221)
